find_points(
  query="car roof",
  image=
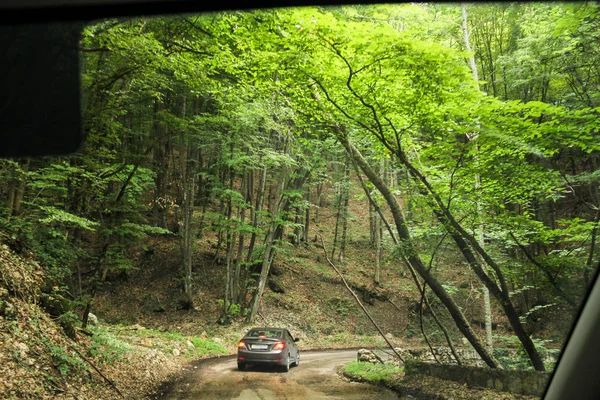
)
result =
(266, 329)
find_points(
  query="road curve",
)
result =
(315, 378)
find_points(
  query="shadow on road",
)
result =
(270, 369)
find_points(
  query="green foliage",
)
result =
(207, 347)
(67, 362)
(377, 373)
(233, 310)
(341, 305)
(107, 348)
(202, 347)
(57, 216)
(514, 356)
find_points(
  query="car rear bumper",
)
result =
(266, 357)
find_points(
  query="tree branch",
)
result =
(356, 297)
(98, 371)
(545, 270)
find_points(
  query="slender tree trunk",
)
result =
(378, 252)
(230, 238)
(260, 196)
(318, 201)
(372, 216)
(589, 267)
(241, 218)
(187, 240)
(17, 188)
(160, 160)
(346, 194)
(307, 216)
(487, 307)
(189, 183)
(338, 215)
(297, 235)
(378, 232)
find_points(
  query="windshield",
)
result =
(419, 179)
(269, 334)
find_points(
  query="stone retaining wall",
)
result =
(518, 382)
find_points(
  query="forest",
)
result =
(465, 129)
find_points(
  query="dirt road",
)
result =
(314, 379)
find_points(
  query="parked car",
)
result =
(268, 346)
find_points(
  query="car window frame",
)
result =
(44, 11)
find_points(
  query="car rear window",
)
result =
(271, 334)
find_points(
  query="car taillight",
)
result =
(241, 344)
(279, 346)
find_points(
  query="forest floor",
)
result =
(144, 338)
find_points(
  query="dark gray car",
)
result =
(274, 346)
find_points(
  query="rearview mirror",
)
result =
(40, 111)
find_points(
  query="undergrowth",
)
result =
(106, 347)
(190, 346)
(379, 373)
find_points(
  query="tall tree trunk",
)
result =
(378, 252)
(189, 187)
(16, 190)
(187, 214)
(346, 194)
(487, 307)
(307, 216)
(245, 189)
(372, 216)
(230, 238)
(318, 201)
(338, 216)
(297, 235)
(378, 232)
(161, 162)
(260, 198)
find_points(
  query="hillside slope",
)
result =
(315, 304)
(38, 360)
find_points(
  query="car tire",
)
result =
(286, 363)
(242, 366)
(297, 362)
